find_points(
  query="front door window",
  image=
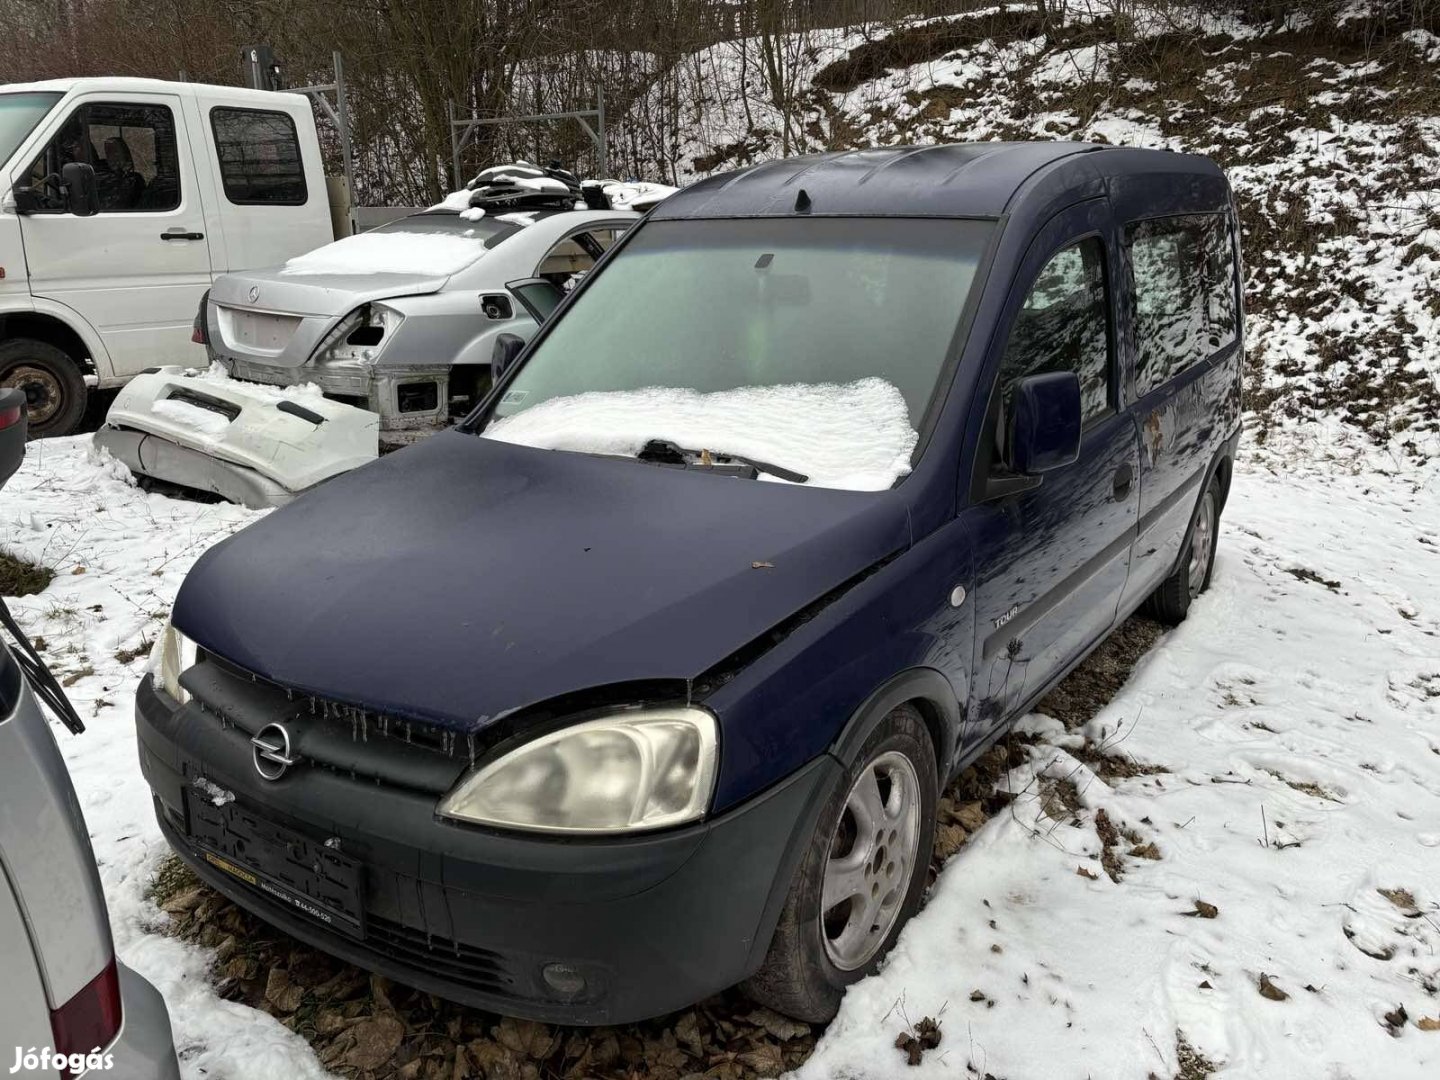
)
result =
(131, 147)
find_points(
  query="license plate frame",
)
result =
(281, 863)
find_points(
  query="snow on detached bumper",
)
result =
(256, 445)
(345, 850)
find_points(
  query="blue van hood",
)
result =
(464, 578)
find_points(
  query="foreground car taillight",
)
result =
(90, 1020)
(10, 417)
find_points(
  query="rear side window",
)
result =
(259, 154)
(1183, 287)
(132, 149)
(1063, 326)
(1221, 286)
(573, 257)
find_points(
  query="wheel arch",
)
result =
(1224, 468)
(1220, 468)
(930, 693)
(62, 329)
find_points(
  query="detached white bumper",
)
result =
(256, 445)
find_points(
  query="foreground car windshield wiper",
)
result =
(665, 452)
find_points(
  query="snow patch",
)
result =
(855, 436)
(217, 795)
(204, 422)
(390, 252)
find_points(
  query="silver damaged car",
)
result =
(406, 320)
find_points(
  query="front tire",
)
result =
(1170, 603)
(54, 389)
(862, 876)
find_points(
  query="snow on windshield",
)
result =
(856, 436)
(392, 252)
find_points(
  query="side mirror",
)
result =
(1045, 425)
(81, 197)
(508, 348)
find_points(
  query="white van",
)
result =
(120, 201)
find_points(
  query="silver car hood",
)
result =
(317, 294)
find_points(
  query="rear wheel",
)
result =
(1170, 603)
(861, 878)
(54, 388)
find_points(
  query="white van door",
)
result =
(135, 271)
(268, 179)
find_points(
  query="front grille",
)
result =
(362, 724)
(346, 739)
(466, 965)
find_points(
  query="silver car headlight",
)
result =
(632, 771)
(171, 654)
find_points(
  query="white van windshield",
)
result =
(19, 113)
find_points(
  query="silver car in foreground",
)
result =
(67, 1005)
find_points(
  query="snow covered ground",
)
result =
(1297, 713)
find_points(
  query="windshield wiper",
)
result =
(665, 452)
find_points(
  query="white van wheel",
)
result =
(54, 388)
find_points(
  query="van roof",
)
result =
(977, 179)
(124, 84)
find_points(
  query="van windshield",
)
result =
(19, 113)
(812, 343)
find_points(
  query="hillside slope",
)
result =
(1330, 135)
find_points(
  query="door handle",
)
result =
(181, 234)
(1124, 476)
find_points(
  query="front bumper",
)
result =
(652, 923)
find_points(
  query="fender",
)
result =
(39, 305)
(944, 717)
(480, 349)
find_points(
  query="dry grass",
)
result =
(21, 577)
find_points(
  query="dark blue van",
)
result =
(644, 680)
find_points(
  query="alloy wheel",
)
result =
(871, 861)
(1202, 544)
